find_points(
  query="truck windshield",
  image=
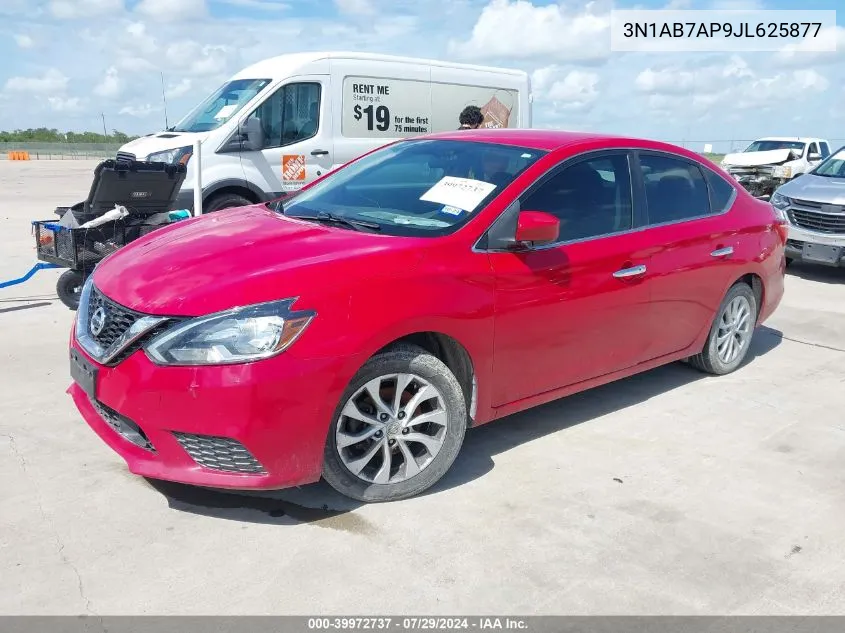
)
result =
(767, 146)
(413, 188)
(221, 105)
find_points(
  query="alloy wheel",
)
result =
(391, 429)
(735, 330)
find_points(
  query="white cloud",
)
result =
(24, 41)
(111, 84)
(172, 10)
(178, 89)
(51, 82)
(72, 9)
(355, 7)
(65, 104)
(139, 111)
(575, 91)
(520, 30)
(800, 53)
(737, 5)
(261, 5)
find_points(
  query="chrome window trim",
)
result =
(633, 152)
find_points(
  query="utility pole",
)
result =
(106, 134)
(164, 99)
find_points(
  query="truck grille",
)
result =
(219, 453)
(817, 221)
(125, 156)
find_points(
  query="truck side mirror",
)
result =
(814, 156)
(252, 134)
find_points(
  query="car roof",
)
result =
(551, 140)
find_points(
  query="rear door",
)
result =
(695, 247)
(298, 141)
(577, 309)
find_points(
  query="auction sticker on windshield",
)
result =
(463, 193)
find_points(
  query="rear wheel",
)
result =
(730, 336)
(397, 429)
(69, 287)
(225, 201)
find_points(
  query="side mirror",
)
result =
(252, 134)
(814, 156)
(537, 227)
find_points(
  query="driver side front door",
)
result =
(577, 309)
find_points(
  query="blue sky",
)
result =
(66, 61)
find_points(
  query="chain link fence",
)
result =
(60, 151)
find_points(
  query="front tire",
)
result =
(730, 335)
(69, 288)
(386, 446)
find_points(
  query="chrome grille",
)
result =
(817, 221)
(118, 318)
(219, 453)
(125, 156)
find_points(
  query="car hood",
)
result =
(161, 142)
(815, 189)
(244, 256)
(752, 159)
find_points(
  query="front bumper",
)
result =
(799, 238)
(253, 426)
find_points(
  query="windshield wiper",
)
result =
(330, 218)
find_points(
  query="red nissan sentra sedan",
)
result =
(355, 330)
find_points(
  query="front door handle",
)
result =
(723, 252)
(626, 273)
(320, 152)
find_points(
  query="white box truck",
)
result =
(285, 121)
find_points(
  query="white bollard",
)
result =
(196, 159)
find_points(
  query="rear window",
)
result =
(722, 193)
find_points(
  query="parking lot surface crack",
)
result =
(830, 347)
(60, 546)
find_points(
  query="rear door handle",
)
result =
(320, 152)
(723, 252)
(625, 273)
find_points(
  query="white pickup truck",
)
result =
(769, 162)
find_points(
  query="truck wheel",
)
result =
(225, 201)
(69, 287)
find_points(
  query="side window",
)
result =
(675, 189)
(825, 150)
(291, 114)
(590, 198)
(722, 193)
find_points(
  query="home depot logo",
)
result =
(293, 167)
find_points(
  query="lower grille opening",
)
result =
(124, 427)
(219, 453)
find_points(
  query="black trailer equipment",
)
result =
(147, 192)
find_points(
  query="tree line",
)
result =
(52, 135)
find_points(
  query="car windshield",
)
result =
(221, 105)
(422, 187)
(767, 146)
(833, 167)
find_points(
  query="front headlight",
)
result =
(780, 203)
(240, 335)
(172, 156)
